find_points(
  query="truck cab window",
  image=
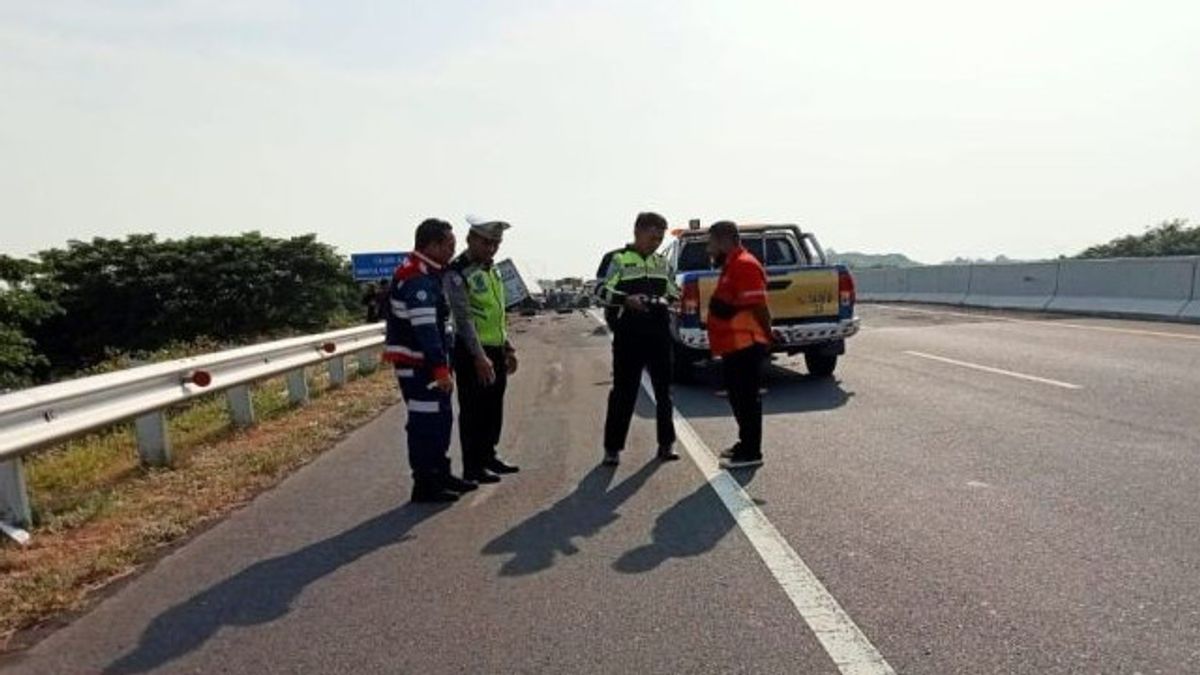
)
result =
(779, 252)
(755, 246)
(693, 257)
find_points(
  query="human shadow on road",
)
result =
(787, 392)
(264, 591)
(745, 477)
(692, 527)
(537, 542)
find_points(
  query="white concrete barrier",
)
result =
(940, 284)
(869, 283)
(1017, 286)
(1192, 311)
(895, 284)
(1154, 287)
(922, 284)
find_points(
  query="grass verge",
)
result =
(99, 516)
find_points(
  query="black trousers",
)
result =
(633, 352)
(480, 408)
(743, 379)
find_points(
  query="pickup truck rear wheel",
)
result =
(821, 365)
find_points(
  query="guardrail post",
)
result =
(368, 361)
(337, 371)
(297, 387)
(241, 407)
(14, 496)
(154, 443)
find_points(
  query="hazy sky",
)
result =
(932, 128)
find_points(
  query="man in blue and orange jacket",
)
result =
(419, 343)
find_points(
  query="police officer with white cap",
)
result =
(483, 356)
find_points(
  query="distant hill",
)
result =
(1170, 237)
(864, 260)
(998, 260)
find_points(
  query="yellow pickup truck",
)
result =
(812, 302)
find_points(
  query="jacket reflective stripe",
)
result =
(401, 349)
(401, 311)
(424, 406)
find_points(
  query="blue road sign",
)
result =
(372, 266)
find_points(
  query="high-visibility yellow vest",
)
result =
(630, 273)
(485, 292)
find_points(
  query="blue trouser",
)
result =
(430, 419)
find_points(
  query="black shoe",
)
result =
(611, 459)
(499, 466)
(482, 477)
(432, 494)
(666, 453)
(741, 462)
(730, 453)
(456, 484)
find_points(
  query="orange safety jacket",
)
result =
(741, 287)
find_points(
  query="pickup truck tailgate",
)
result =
(794, 294)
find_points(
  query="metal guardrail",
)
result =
(32, 419)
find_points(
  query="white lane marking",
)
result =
(995, 371)
(843, 641)
(555, 372)
(1043, 324)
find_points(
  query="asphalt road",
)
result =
(981, 492)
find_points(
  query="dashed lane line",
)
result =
(994, 371)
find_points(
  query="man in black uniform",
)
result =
(638, 288)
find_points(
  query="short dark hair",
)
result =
(726, 230)
(432, 231)
(648, 220)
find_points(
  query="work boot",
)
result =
(666, 453)
(741, 462)
(497, 465)
(481, 476)
(731, 452)
(428, 493)
(611, 458)
(456, 484)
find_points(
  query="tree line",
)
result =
(71, 308)
(1170, 237)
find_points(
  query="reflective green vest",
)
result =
(631, 274)
(485, 292)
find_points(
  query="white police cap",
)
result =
(488, 228)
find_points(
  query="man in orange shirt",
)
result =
(739, 331)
